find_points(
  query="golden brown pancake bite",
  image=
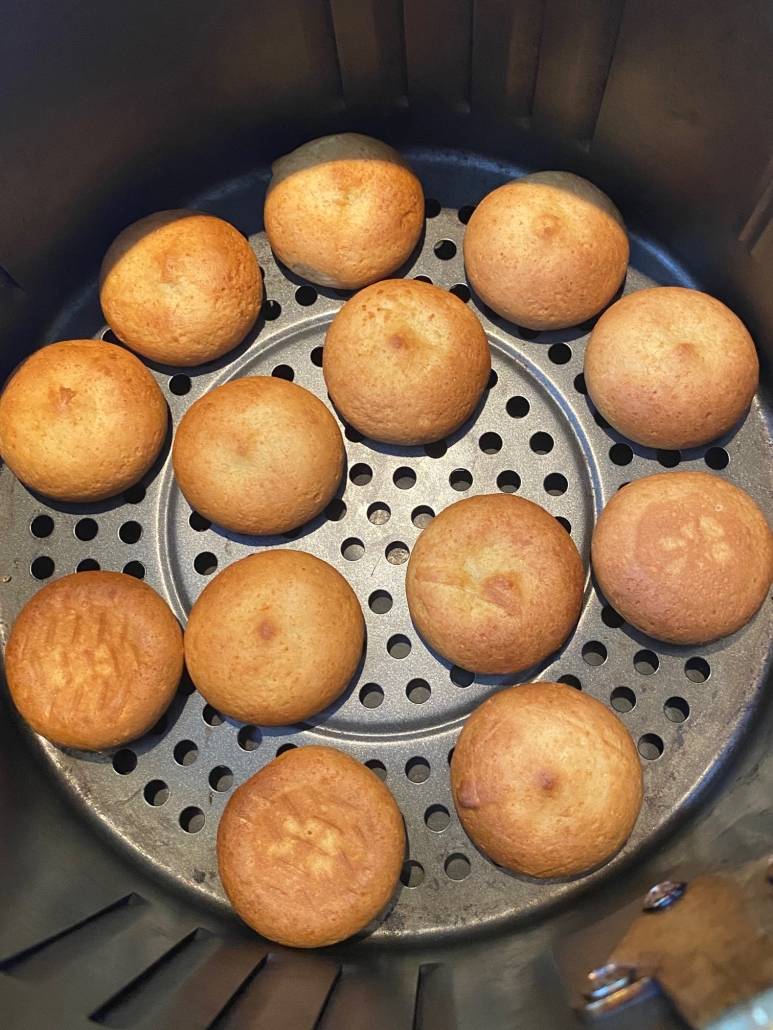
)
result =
(310, 848)
(547, 250)
(684, 556)
(180, 287)
(274, 638)
(258, 455)
(94, 659)
(406, 362)
(671, 368)
(546, 780)
(343, 210)
(495, 583)
(81, 420)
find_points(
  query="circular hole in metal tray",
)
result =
(533, 434)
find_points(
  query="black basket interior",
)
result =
(109, 112)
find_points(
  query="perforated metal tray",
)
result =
(535, 432)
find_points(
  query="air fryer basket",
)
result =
(112, 913)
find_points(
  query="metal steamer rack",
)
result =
(534, 433)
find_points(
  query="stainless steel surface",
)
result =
(608, 979)
(685, 707)
(662, 895)
(636, 992)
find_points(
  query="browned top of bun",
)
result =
(684, 556)
(258, 455)
(310, 848)
(670, 367)
(181, 287)
(81, 420)
(494, 583)
(343, 210)
(406, 362)
(546, 780)
(274, 638)
(547, 250)
(94, 659)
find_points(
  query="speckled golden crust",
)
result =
(310, 848)
(547, 250)
(546, 780)
(81, 420)
(94, 659)
(670, 367)
(274, 638)
(406, 362)
(494, 583)
(181, 287)
(343, 210)
(258, 455)
(684, 556)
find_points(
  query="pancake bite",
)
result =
(94, 659)
(546, 780)
(274, 638)
(495, 584)
(258, 455)
(180, 287)
(343, 210)
(81, 420)
(310, 848)
(547, 250)
(683, 556)
(671, 368)
(406, 362)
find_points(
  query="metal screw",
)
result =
(663, 895)
(608, 979)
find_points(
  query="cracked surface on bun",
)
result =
(310, 848)
(495, 583)
(94, 659)
(683, 556)
(343, 211)
(546, 780)
(546, 251)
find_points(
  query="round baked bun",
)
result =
(670, 367)
(546, 780)
(274, 638)
(547, 250)
(494, 584)
(94, 659)
(180, 287)
(406, 362)
(310, 848)
(683, 556)
(258, 455)
(81, 420)
(343, 210)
